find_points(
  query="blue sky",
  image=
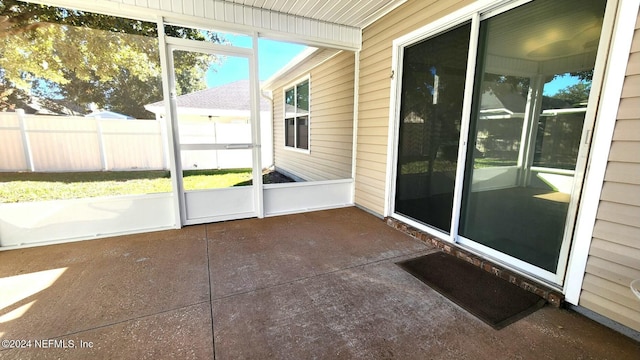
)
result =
(272, 56)
(558, 83)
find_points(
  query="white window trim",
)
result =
(294, 85)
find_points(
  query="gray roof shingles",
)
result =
(231, 96)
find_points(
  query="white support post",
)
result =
(255, 125)
(530, 130)
(354, 141)
(172, 140)
(26, 143)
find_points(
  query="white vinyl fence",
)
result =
(214, 133)
(55, 144)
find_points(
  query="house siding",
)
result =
(374, 93)
(331, 121)
(614, 256)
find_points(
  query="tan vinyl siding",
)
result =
(331, 120)
(614, 256)
(375, 85)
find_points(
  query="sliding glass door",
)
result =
(429, 130)
(523, 138)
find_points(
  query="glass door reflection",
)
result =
(430, 115)
(526, 130)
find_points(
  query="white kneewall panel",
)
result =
(30, 223)
(220, 204)
(291, 198)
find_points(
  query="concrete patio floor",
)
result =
(321, 285)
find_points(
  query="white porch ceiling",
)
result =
(355, 13)
(327, 23)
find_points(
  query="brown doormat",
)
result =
(492, 299)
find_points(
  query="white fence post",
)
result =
(103, 151)
(164, 139)
(215, 141)
(26, 143)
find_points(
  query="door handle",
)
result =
(238, 146)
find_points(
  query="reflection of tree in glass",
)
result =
(74, 58)
(302, 93)
(432, 92)
(515, 84)
(502, 104)
(572, 96)
(576, 95)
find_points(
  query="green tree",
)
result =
(83, 58)
(575, 94)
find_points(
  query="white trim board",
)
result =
(626, 17)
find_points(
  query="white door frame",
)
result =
(474, 13)
(167, 46)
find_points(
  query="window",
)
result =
(296, 116)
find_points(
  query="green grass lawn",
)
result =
(480, 163)
(21, 187)
(422, 166)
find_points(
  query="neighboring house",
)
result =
(228, 103)
(41, 106)
(223, 111)
(564, 215)
(105, 114)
